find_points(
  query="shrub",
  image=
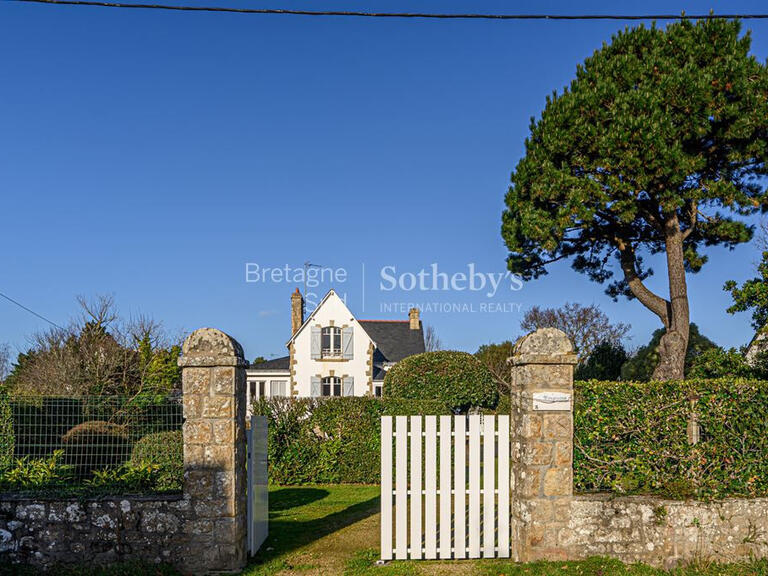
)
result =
(457, 378)
(96, 444)
(7, 437)
(165, 452)
(31, 474)
(330, 440)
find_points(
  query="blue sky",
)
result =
(152, 155)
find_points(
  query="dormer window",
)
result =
(330, 342)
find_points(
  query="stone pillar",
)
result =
(542, 446)
(213, 379)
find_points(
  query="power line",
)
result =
(20, 305)
(422, 15)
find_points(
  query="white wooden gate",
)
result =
(450, 497)
(258, 498)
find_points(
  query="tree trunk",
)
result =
(674, 344)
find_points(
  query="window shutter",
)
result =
(347, 342)
(348, 386)
(315, 344)
(316, 390)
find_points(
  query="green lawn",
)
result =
(330, 530)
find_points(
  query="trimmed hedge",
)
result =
(330, 440)
(96, 444)
(631, 437)
(457, 378)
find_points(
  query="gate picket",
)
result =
(489, 495)
(466, 462)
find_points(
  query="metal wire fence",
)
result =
(100, 444)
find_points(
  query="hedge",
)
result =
(7, 437)
(332, 440)
(457, 378)
(632, 437)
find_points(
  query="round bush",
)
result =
(166, 451)
(456, 378)
(95, 445)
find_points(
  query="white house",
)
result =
(332, 353)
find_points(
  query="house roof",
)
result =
(276, 364)
(394, 339)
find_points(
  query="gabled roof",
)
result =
(394, 339)
(314, 312)
(277, 364)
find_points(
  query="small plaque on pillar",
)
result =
(557, 401)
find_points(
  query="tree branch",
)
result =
(653, 302)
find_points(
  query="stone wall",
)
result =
(665, 532)
(549, 522)
(49, 532)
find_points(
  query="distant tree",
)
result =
(585, 326)
(604, 363)
(494, 357)
(456, 378)
(752, 295)
(258, 360)
(658, 146)
(431, 340)
(719, 363)
(641, 365)
(99, 354)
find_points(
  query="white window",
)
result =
(331, 386)
(256, 389)
(277, 388)
(330, 342)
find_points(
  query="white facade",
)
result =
(351, 362)
(332, 354)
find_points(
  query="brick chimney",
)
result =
(413, 317)
(297, 311)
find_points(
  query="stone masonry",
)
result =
(542, 445)
(213, 380)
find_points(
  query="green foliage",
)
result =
(165, 452)
(129, 477)
(631, 437)
(7, 436)
(604, 363)
(752, 295)
(30, 474)
(456, 378)
(639, 139)
(719, 363)
(330, 440)
(641, 365)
